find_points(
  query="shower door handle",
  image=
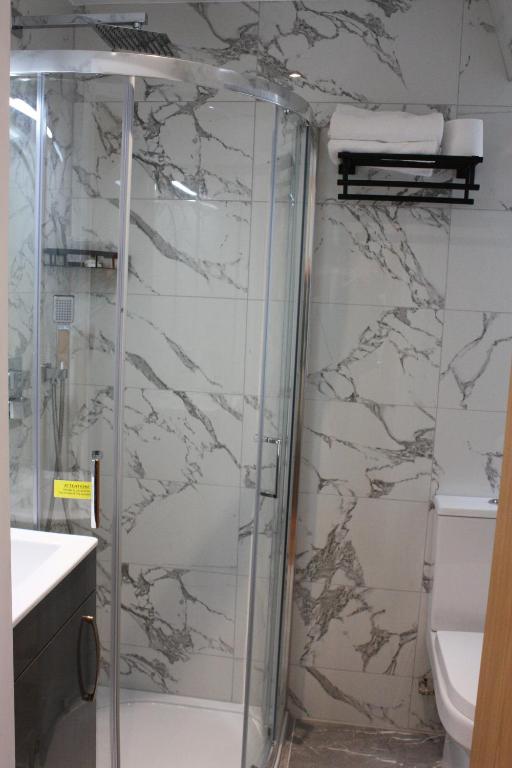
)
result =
(277, 442)
(96, 457)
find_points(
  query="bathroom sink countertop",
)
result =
(40, 561)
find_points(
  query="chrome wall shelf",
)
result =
(464, 167)
(87, 258)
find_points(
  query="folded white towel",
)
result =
(392, 148)
(350, 122)
(464, 136)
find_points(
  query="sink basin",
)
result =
(39, 561)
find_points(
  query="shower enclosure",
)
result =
(160, 226)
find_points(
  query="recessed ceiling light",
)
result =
(295, 75)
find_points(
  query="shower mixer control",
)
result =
(18, 380)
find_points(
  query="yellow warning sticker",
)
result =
(72, 489)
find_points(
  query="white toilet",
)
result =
(463, 541)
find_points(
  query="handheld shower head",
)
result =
(135, 40)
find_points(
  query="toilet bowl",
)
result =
(462, 552)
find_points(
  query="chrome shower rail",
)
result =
(158, 67)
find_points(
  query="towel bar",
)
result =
(464, 167)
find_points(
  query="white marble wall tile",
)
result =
(177, 248)
(282, 275)
(287, 143)
(262, 619)
(422, 661)
(205, 146)
(355, 698)
(96, 157)
(354, 628)
(178, 612)
(480, 243)
(273, 409)
(186, 343)
(59, 146)
(21, 487)
(483, 78)
(367, 450)
(182, 436)
(361, 51)
(275, 347)
(46, 39)
(89, 419)
(382, 255)
(171, 342)
(21, 189)
(162, 520)
(493, 174)
(21, 325)
(208, 147)
(468, 452)
(374, 354)
(200, 675)
(338, 537)
(267, 530)
(189, 248)
(477, 350)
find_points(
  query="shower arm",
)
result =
(133, 20)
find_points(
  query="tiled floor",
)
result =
(345, 746)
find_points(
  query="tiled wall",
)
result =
(411, 333)
(410, 344)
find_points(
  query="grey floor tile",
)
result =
(338, 746)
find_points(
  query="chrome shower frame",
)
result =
(104, 63)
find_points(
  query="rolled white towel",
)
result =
(350, 122)
(392, 148)
(464, 136)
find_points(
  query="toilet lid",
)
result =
(460, 654)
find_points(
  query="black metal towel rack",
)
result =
(464, 167)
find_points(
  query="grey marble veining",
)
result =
(327, 746)
(476, 357)
(368, 449)
(381, 255)
(389, 355)
(357, 51)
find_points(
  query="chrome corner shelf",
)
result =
(464, 167)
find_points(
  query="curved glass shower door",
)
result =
(63, 280)
(165, 246)
(214, 269)
(277, 303)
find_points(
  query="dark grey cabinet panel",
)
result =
(36, 630)
(55, 724)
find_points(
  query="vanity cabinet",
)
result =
(56, 653)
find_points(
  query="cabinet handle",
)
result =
(277, 442)
(89, 621)
(96, 457)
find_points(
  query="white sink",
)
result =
(39, 561)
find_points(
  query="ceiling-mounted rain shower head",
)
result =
(135, 40)
(120, 31)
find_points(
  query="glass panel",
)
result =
(283, 214)
(78, 194)
(182, 638)
(22, 236)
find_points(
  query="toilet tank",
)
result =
(462, 553)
